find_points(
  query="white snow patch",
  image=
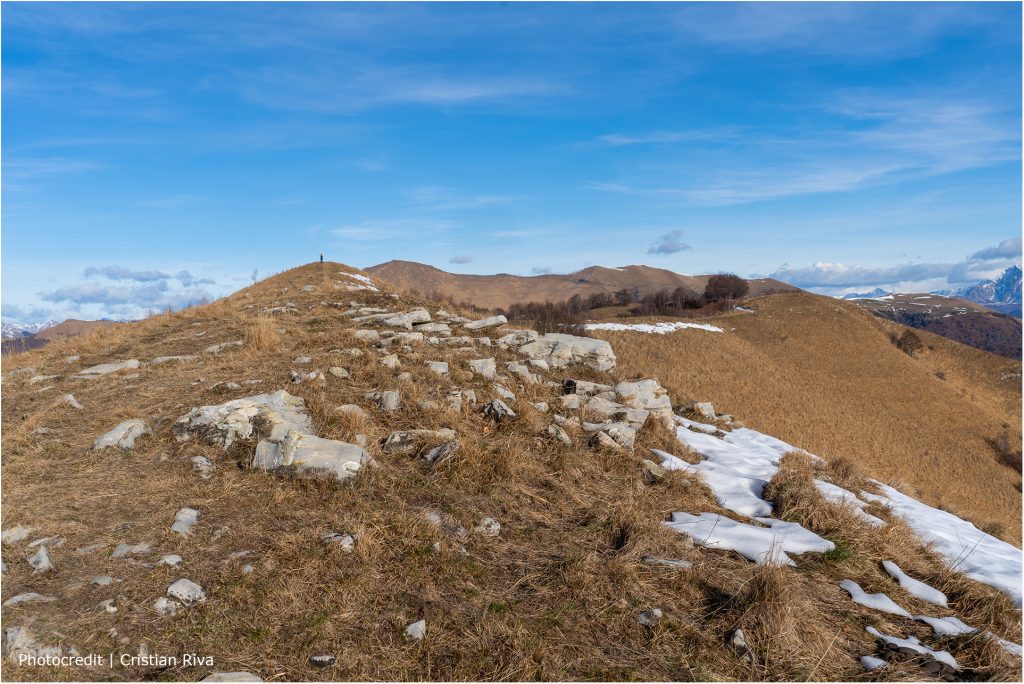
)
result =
(872, 663)
(659, 328)
(763, 545)
(877, 601)
(947, 626)
(976, 554)
(736, 467)
(1009, 646)
(914, 587)
(360, 277)
(838, 495)
(914, 644)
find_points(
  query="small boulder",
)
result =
(339, 372)
(485, 368)
(439, 367)
(417, 630)
(184, 519)
(187, 591)
(650, 617)
(488, 527)
(122, 436)
(483, 323)
(498, 410)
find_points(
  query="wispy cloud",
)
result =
(669, 243)
(124, 273)
(460, 259)
(439, 198)
(391, 229)
(541, 270)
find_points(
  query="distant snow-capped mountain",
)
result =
(1001, 294)
(877, 292)
(10, 331)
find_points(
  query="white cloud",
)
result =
(460, 259)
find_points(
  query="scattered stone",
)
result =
(705, 409)
(203, 466)
(107, 606)
(498, 410)
(488, 527)
(436, 328)
(29, 597)
(484, 367)
(440, 452)
(13, 535)
(522, 370)
(171, 559)
(165, 606)
(570, 401)
(352, 410)
(651, 470)
(102, 580)
(387, 401)
(302, 360)
(407, 441)
(72, 359)
(367, 335)
(439, 367)
(339, 372)
(107, 368)
(417, 630)
(482, 323)
(504, 393)
(52, 542)
(560, 434)
(321, 660)
(184, 519)
(346, 543)
(41, 378)
(123, 550)
(187, 591)
(406, 320)
(248, 569)
(390, 361)
(541, 406)
(21, 371)
(91, 548)
(218, 348)
(470, 396)
(167, 359)
(560, 350)
(650, 617)
(601, 440)
(870, 663)
(454, 398)
(40, 561)
(123, 436)
(737, 641)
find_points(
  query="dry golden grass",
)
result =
(554, 597)
(822, 374)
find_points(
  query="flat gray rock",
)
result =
(123, 435)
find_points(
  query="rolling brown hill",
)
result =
(560, 592)
(62, 331)
(824, 375)
(954, 317)
(501, 290)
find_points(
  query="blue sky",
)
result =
(156, 154)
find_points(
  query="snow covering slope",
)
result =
(764, 545)
(10, 331)
(659, 328)
(976, 554)
(738, 464)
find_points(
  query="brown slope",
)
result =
(822, 374)
(554, 597)
(503, 289)
(62, 331)
(958, 319)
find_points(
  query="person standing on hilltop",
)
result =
(321, 257)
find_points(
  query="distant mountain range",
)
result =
(874, 294)
(1003, 294)
(45, 333)
(12, 331)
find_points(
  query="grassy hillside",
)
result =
(555, 596)
(501, 290)
(822, 374)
